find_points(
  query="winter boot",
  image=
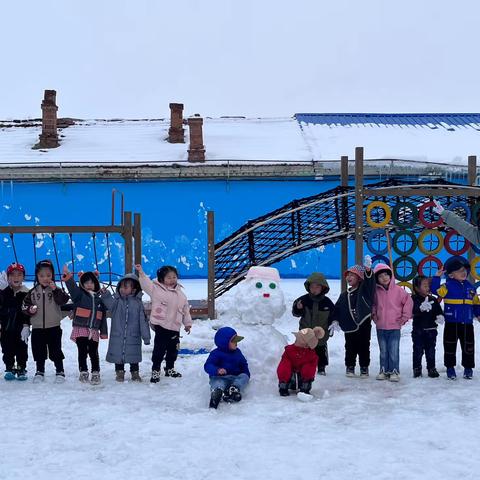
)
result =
(83, 377)
(170, 372)
(394, 376)
(305, 387)
(417, 372)
(155, 378)
(215, 397)
(9, 375)
(363, 372)
(382, 375)
(21, 374)
(136, 376)
(60, 377)
(321, 371)
(120, 376)
(350, 371)
(468, 373)
(283, 389)
(39, 377)
(95, 379)
(451, 373)
(232, 394)
(432, 373)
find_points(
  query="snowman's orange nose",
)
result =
(266, 295)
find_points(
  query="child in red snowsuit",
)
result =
(299, 359)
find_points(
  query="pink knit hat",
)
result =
(357, 270)
(267, 273)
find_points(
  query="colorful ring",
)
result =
(406, 284)
(397, 211)
(473, 268)
(464, 206)
(421, 216)
(370, 241)
(412, 262)
(384, 207)
(448, 247)
(421, 242)
(424, 260)
(396, 240)
(380, 259)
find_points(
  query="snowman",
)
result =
(255, 304)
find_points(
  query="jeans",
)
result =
(389, 343)
(225, 381)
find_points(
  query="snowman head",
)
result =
(259, 299)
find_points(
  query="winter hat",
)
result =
(86, 276)
(266, 273)
(308, 338)
(456, 263)
(15, 266)
(319, 278)
(358, 270)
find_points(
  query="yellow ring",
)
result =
(421, 238)
(473, 268)
(385, 208)
(407, 284)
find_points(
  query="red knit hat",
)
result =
(357, 270)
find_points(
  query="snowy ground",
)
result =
(423, 428)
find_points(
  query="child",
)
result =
(128, 327)
(227, 368)
(89, 321)
(461, 305)
(391, 310)
(169, 310)
(427, 314)
(317, 310)
(299, 362)
(353, 311)
(14, 326)
(42, 303)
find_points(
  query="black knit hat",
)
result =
(456, 263)
(85, 277)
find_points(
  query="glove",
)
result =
(334, 327)
(367, 262)
(25, 333)
(438, 207)
(477, 319)
(440, 320)
(426, 305)
(32, 309)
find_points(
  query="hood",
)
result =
(223, 337)
(317, 277)
(136, 283)
(382, 267)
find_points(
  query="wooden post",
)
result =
(211, 264)
(472, 179)
(344, 217)
(128, 239)
(359, 205)
(137, 237)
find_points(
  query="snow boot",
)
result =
(468, 373)
(83, 377)
(120, 376)
(155, 378)
(95, 379)
(432, 373)
(417, 372)
(170, 372)
(305, 387)
(283, 389)
(60, 377)
(451, 373)
(21, 374)
(9, 375)
(232, 394)
(363, 372)
(350, 371)
(39, 377)
(136, 376)
(215, 397)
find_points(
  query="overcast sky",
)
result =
(119, 58)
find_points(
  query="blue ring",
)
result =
(464, 206)
(381, 258)
(371, 246)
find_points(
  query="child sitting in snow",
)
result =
(427, 314)
(461, 307)
(227, 368)
(170, 310)
(299, 362)
(89, 321)
(129, 326)
(391, 310)
(353, 311)
(317, 310)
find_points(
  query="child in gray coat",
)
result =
(129, 326)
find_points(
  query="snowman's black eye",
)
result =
(273, 286)
(259, 285)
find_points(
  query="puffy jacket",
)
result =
(48, 302)
(297, 359)
(169, 305)
(393, 306)
(11, 315)
(461, 303)
(232, 361)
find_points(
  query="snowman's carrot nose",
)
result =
(266, 295)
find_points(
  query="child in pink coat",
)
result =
(391, 310)
(170, 310)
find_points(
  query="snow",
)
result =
(416, 429)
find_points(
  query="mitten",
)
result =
(25, 333)
(440, 320)
(426, 305)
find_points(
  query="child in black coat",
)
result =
(427, 314)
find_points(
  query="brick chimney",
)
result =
(49, 136)
(196, 152)
(176, 133)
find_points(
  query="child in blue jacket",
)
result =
(461, 306)
(227, 368)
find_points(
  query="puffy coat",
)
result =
(11, 316)
(129, 324)
(48, 302)
(232, 361)
(297, 359)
